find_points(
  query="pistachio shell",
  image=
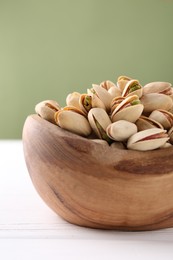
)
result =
(123, 77)
(99, 120)
(107, 84)
(73, 122)
(74, 109)
(153, 101)
(115, 102)
(85, 102)
(132, 87)
(72, 99)
(130, 114)
(149, 139)
(164, 117)
(158, 87)
(88, 101)
(121, 130)
(126, 111)
(46, 109)
(112, 89)
(104, 95)
(144, 123)
(122, 81)
(114, 92)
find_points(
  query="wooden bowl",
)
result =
(98, 186)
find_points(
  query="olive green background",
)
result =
(51, 48)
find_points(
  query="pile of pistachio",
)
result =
(125, 114)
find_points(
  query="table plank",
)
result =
(81, 249)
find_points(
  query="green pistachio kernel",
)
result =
(134, 87)
(135, 102)
(87, 103)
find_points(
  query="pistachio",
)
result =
(122, 81)
(124, 115)
(99, 120)
(115, 102)
(73, 122)
(113, 90)
(129, 109)
(144, 123)
(88, 101)
(47, 109)
(121, 130)
(107, 84)
(132, 87)
(164, 117)
(158, 87)
(103, 94)
(123, 77)
(149, 139)
(74, 109)
(85, 102)
(73, 99)
(153, 101)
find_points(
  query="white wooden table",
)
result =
(30, 230)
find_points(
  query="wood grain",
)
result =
(94, 185)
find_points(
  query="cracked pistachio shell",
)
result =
(153, 101)
(47, 109)
(73, 122)
(121, 130)
(112, 89)
(132, 87)
(74, 109)
(158, 87)
(103, 94)
(126, 111)
(146, 140)
(122, 81)
(88, 101)
(99, 121)
(144, 123)
(164, 117)
(170, 134)
(107, 84)
(72, 99)
(115, 102)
